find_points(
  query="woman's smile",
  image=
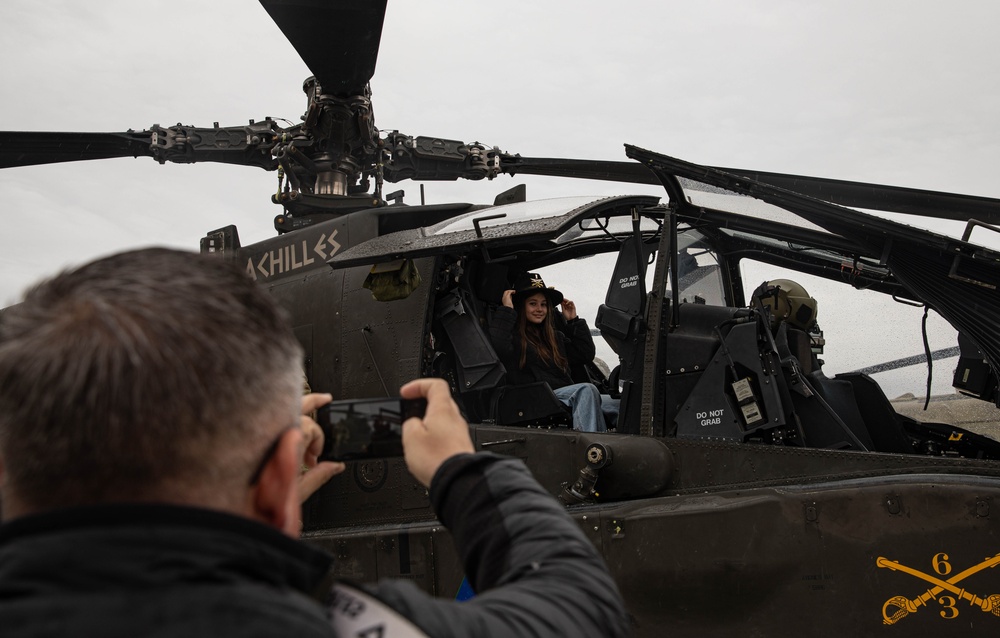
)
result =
(536, 307)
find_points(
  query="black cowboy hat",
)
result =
(530, 283)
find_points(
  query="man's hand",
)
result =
(315, 473)
(441, 434)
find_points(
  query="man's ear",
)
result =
(275, 497)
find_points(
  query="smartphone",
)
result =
(365, 428)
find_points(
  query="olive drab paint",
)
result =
(293, 256)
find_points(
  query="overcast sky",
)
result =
(904, 93)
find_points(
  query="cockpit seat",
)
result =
(529, 404)
(885, 426)
(825, 409)
(619, 319)
(796, 343)
(855, 399)
(839, 396)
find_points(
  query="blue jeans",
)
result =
(610, 407)
(584, 399)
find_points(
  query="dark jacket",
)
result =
(155, 570)
(159, 570)
(572, 337)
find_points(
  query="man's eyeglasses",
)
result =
(268, 453)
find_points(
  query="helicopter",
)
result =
(742, 489)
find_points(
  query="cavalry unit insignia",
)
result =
(899, 607)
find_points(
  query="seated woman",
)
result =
(532, 348)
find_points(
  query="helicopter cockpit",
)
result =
(662, 287)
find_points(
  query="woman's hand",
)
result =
(508, 299)
(568, 309)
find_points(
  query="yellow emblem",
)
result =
(898, 607)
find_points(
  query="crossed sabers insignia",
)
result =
(905, 606)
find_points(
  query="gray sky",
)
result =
(896, 92)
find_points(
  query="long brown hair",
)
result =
(542, 337)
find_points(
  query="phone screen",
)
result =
(365, 428)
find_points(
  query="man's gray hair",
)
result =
(150, 374)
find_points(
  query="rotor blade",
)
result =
(894, 199)
(582, 169)
(905, 362)
(26, 148)
(337, 39)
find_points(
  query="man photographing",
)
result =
(151, 449)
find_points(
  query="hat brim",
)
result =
(554, 296)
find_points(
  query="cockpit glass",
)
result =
(586, 280)
(699, 277)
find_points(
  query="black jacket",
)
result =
(159, 570)
(572, 337)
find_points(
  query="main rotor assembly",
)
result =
(327, 164)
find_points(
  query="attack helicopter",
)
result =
(743, 489)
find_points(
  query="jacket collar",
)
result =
(133, 535)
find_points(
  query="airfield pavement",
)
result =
(981, 417)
